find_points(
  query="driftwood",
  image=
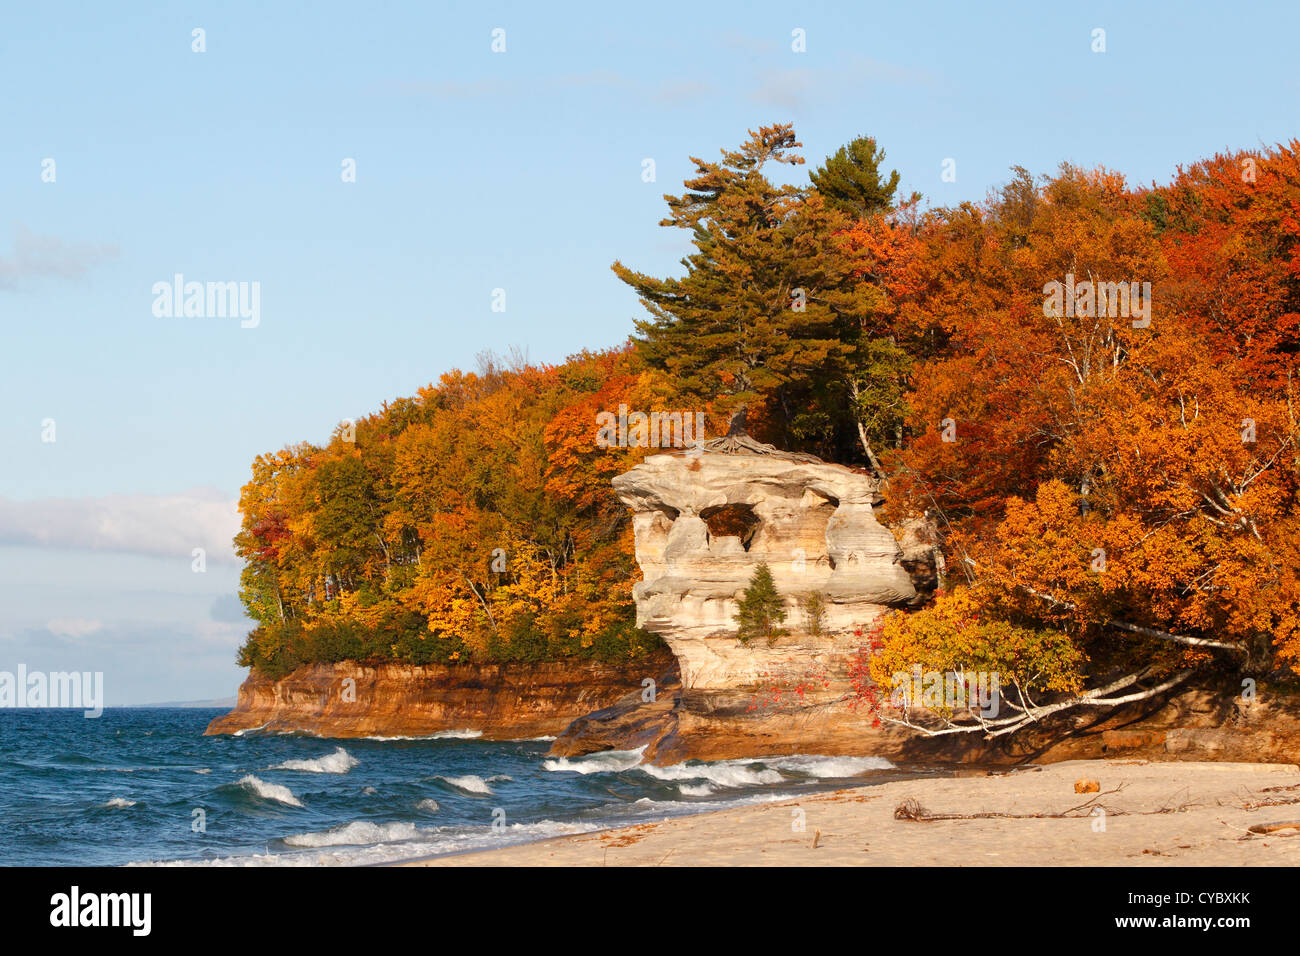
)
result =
(1026, 712)
(911, 809)
(1275, 827)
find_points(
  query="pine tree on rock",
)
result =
(758, 316)
(762, 611)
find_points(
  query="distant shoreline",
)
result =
(227, 703)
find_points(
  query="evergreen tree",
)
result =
(761, 610)
(851, 180)
(760, 316)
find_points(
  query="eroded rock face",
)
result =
(704, 519)
(498, 701)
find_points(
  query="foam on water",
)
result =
(471, 783)
(433, 841)
(724, 773)
(268, 791)
(118, 803)
(466, 734)
(357, 833)
(826, 767)
(340, 761)
(607, 761)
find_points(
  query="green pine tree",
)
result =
(760, 317)
(851, 180)
(761, 610)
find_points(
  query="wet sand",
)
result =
(1145, 814)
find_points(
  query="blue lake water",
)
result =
(144, 785)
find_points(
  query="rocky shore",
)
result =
(495, 701)
(704, 519)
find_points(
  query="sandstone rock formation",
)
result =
(705, 518)
(499, 701)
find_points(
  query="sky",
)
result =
(129, 157)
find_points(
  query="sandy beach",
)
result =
(1144, 814)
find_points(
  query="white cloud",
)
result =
(72, 626)
(161, 525)
(42, 256)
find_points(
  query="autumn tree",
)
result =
(1127, 479)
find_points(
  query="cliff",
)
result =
(500, 701)
(703, 520)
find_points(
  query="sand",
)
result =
(1155, 814)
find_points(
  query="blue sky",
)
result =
(475, 171)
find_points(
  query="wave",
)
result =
(428, 805)
(466, 734)
(827, 767)
(268, 791)
(249, 730)
(469, 782)
(607, 761)
(340, 761)
(753, 772)
(724, 773)
(433, 841)
(357, 833)
(692, 790)
(118, 803)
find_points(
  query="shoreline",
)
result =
(1145, 813)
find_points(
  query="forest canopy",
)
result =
(1088, 387)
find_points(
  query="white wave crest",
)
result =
(692, 790)
(433, 841)
(469, 782)
(466, 734)
(118, 803)
(823, 767)
(269, 791)
(357, 833)
(428, 805)
(607, 761)
(340, 761)
(724, 773)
